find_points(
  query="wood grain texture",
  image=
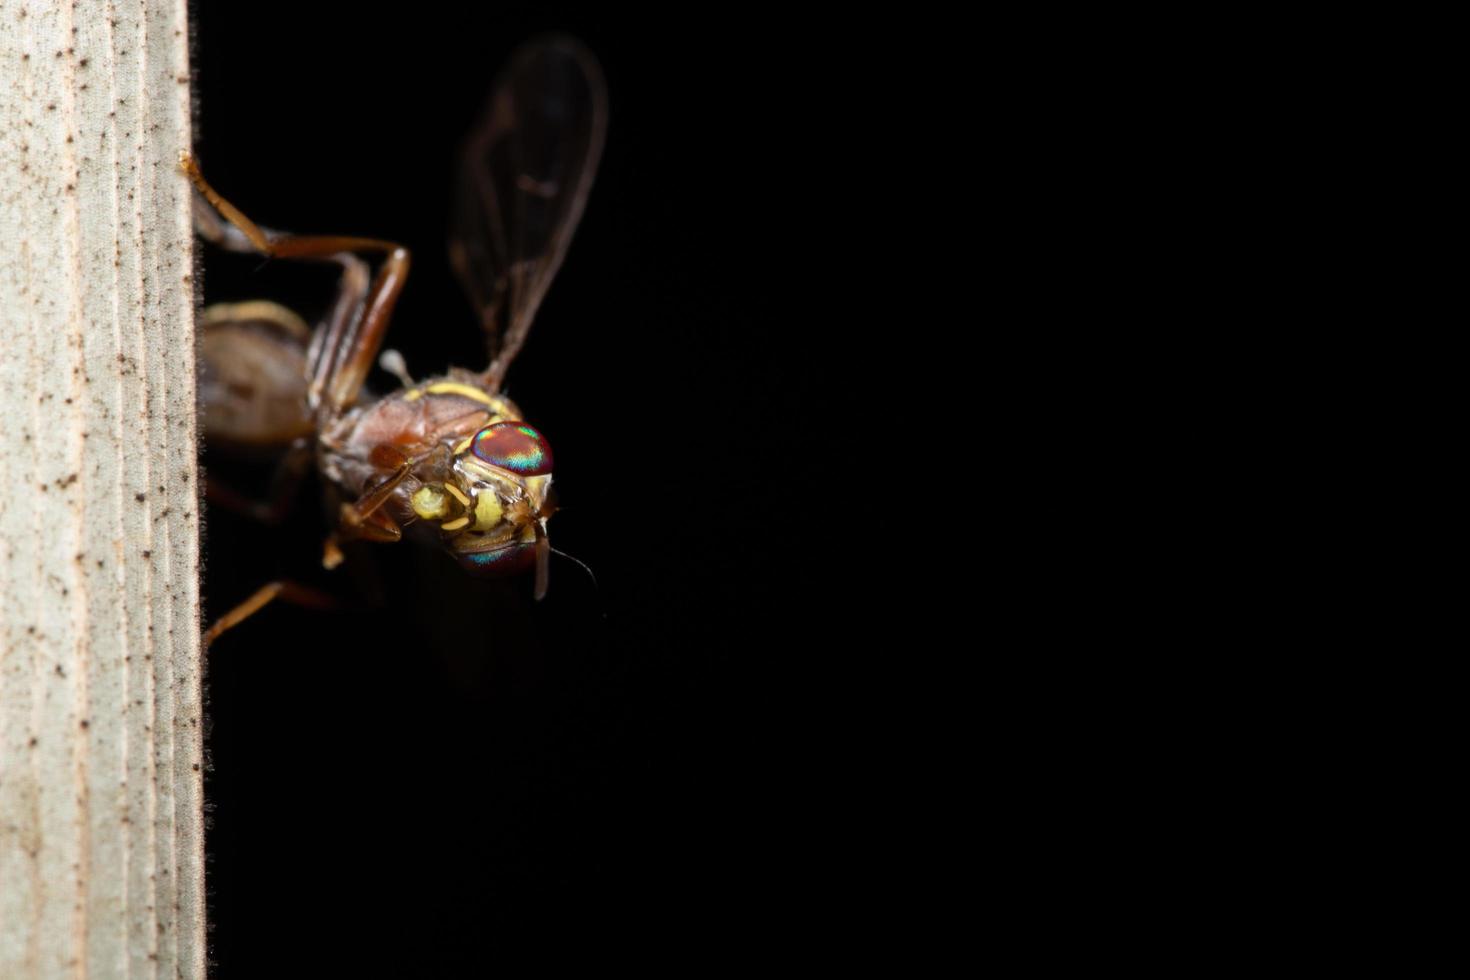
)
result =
(101, 827)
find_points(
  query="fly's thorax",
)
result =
(457, 393)
(366, 444)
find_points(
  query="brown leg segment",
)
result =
(352, 293)
(352, 288)
(277, 506)
(364, 518)
(301, 595)
(346, 362)
(350, 345)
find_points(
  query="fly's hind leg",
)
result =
(293, 592)
(343, 352)
(276, 506)
(352, 288)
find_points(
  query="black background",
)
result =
(447, 767)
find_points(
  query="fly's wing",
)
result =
(522, 185)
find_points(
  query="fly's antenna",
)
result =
(585, 568)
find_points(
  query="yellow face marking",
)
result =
(463, 445)
(455, 388)
(455, 524)
(430, 503)
(457, 495)
(413, 396)
(487, 510)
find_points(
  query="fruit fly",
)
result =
(449, 459)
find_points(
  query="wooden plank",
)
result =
(101, 856)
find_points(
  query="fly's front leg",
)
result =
(344, 352)
(365, 517)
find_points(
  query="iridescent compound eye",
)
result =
(513, 446)
(515, 557)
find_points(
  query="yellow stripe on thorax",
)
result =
(449, 388)
(455, 388)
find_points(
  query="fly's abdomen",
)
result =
(252, 379)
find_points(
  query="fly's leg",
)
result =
(344, 352)
(377, 526)
(352, 293)
(301, 595)
(371, 523)
(352, 288)
(340, 355)
(284, 484)
(365, 518)
(350, 344)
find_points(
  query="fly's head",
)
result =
(495, 499)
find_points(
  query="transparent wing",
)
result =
(522, 186)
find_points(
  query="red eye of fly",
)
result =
(513, 446)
